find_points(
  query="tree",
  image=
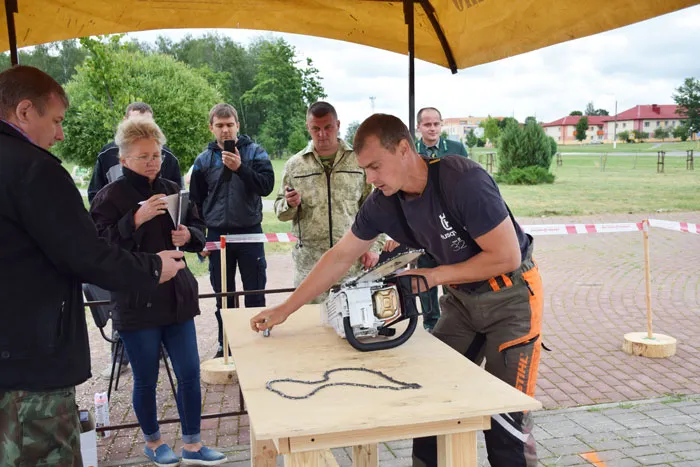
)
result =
(662, 133)
(283, 91)
(623, 136)
(297, 141)
(553, 145)
(530, 119)
(225, 63)
(57, 59)
(576, 113)
(581, 128)
(472, 140)
(681, 131)
(591, 111)
(350, 133)
(525, 148)
(640, 135)
(504, 121)
(687, 98)
(111, 78)
(491, 130)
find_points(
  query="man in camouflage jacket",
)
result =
(322, 189)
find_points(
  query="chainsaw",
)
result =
(363, 309)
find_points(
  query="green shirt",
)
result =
(442, 148)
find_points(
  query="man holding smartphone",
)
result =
(228, 182)
(322, 191)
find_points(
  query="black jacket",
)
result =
(108, 168)
(48, 247)
(113, 212)
(232, 201)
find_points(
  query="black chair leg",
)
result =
(114, 364)
(121, 358)
(167, 369)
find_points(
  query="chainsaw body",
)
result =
(364, 309)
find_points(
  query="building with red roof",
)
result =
(646, 118)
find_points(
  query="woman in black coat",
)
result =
(132, 212)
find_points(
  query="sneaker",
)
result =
(204, 456)
(163, 456)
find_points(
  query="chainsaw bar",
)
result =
(387, 267)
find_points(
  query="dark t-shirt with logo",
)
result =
(472, 197)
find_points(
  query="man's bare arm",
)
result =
(331, 267)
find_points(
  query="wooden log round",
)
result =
(216, 371)
(639, 343)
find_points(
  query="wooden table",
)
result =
(456, 398)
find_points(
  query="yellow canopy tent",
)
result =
(476, 31)
(452, 33)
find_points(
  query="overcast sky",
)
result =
(639, 64)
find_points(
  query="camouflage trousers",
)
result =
(306, 257)
(39, 428)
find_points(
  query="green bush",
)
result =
(554, 146)
(533, 175)
(524, 147)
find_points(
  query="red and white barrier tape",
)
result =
(253, 238)
(677, 226)
(572, 229)
(534, 230)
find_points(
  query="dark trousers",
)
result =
(503, 327)
(250, 259)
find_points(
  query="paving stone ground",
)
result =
(594, 287)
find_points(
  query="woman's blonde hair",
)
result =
(134, 129)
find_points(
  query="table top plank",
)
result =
(451, 386)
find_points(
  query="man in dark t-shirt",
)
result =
(492, 308)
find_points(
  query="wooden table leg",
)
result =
(457, 450)
(262, 453)
(364, 455)
(320, 458)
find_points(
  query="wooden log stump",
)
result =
(217, 371)
(658, 346)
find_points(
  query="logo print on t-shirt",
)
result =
(443, 221)
(449, 231)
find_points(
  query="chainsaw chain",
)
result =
(400, 385)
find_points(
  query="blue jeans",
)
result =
(143, 347)
(250, 259)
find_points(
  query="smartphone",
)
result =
(230, 145)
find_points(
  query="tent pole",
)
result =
(408, 9)
(10, 10)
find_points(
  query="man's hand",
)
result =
(232, 160)
(204, 253)
(172, 263)
(293, 197)
(152, 207)
(417, 285)
(369, 259)
(266, 319)
(181, 236)
(391, 245)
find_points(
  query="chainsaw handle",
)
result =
(382, 345)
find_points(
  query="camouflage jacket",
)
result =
(329, 201)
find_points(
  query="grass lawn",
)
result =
(621, 147)
(629, 184)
